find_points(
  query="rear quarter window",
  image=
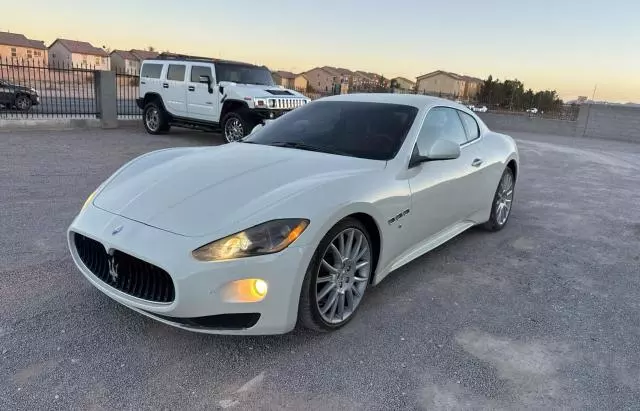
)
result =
(151, 70)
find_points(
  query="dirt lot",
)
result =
(544, 314)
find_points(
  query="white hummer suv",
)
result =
(211, 94)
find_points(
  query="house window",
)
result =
(97, 60)
(14, 52)
(29, 54)
(84, 60)
(37, 53)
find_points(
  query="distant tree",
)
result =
(151, 48)
(394, 84)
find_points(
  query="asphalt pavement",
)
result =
(544, 314)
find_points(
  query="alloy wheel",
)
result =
(22, 103)
(504, 198)
(152, 118)
(233, 130)
(342, 276)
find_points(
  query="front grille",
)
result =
(124, 272)
(287, 103)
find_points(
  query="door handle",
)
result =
(165, 85)
(192, 88)
(477, 162)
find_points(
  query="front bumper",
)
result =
(263, 116)
(198, 304)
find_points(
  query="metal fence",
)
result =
(36, 88)
(127, 90)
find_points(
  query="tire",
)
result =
(347, 283)
(155, 119)
(502, 202)
(23, 102)
(235, 126)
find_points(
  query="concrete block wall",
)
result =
(612, 122)
(594, 120)
(518, 122)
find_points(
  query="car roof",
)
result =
(415, 100)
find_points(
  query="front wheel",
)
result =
(502, 202)
(235, 127)
(23, 103)
(337, 277)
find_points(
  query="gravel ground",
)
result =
(544, 314)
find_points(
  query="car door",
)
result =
(174, 90)
(6, 93)
(440, 189)
(482, 187)
(202, 98)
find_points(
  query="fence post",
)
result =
(107, 108)
(583, 119)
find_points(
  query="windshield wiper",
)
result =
(308, 147)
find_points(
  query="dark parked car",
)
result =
(20, 97)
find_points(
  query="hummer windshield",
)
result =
(245, 74)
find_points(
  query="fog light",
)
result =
(250, 290)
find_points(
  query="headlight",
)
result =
(272, 103)
(260, 102)
(266, 238)
(89, 200)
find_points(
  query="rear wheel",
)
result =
(337, 277)
(155, 119)
(502, 202)
(23, 103)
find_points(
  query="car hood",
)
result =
(254, 90)
(199, 191)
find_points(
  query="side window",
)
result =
(471, 125)
(151, 70)
(441, 123)
(197, 71)
(176, 72)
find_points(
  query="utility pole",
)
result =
(593, 97)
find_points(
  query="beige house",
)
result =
(301, 82)
(403, 83)
(323, 78)
(18, 48)
(129, 61)
(449, 84)
(284, 78)
(365, 79)
(78, 54)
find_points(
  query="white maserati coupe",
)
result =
(293, 224)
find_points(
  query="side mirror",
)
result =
(439, 150)
(205, 79)
(444, 150)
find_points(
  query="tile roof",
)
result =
(19, 40)
(285, 74)
(450, 74)
(81, 47)
(143, 54)
(126, 55)
(404, 79)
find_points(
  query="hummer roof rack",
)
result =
(186, 57)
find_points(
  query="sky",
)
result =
(567, 45)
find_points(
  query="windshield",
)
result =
(359, 129)
(240, 73)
